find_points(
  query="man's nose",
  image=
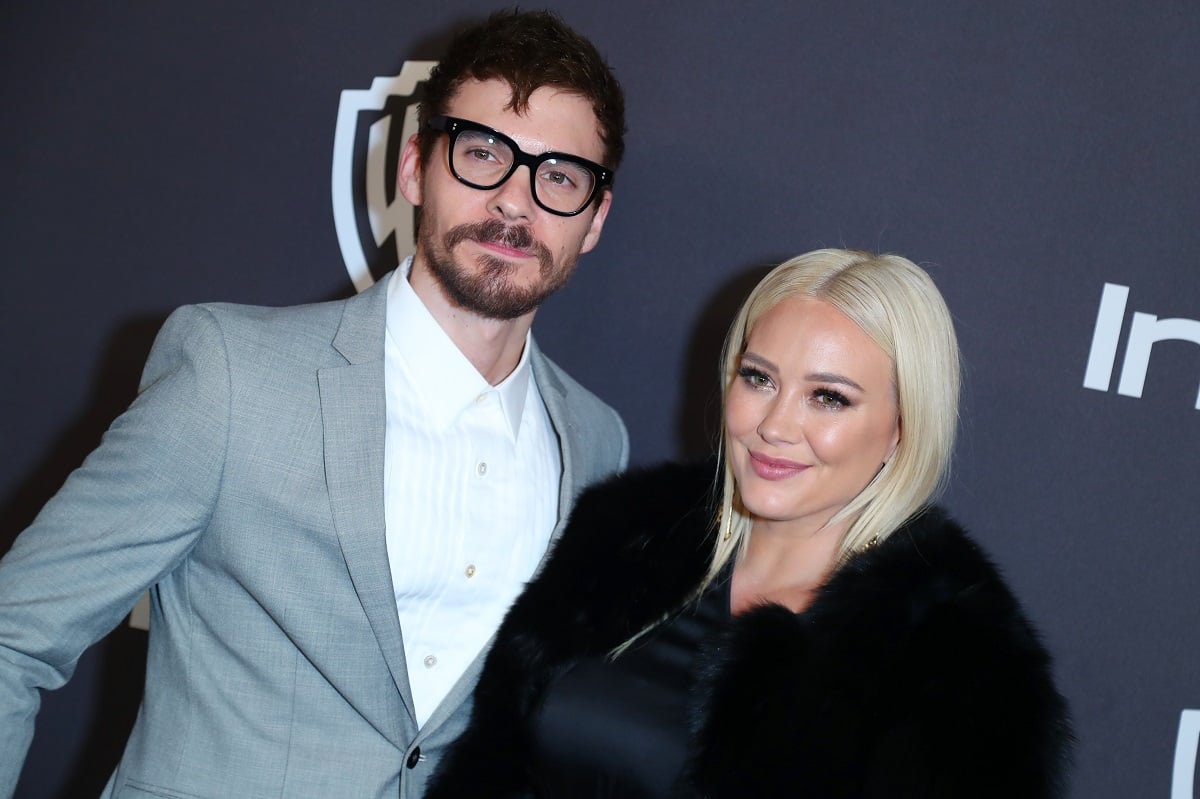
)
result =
(513, 199)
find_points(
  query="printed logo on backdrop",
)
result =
(374, 222)
(1145, 331)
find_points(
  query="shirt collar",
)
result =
(446, 383)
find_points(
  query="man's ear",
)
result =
(409, 179)
(592, 237)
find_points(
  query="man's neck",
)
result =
(493, 346)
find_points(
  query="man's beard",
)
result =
(489, 292)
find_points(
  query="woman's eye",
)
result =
(827, 398)
(754, 377)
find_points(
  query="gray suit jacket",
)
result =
(245, 485)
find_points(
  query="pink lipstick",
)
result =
(774, 468)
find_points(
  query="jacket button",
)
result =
(414, 757)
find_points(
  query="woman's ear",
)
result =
(895, 441)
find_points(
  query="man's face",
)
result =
(496, 253)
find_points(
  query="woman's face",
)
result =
(810, 416)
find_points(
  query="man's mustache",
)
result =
(493, 231)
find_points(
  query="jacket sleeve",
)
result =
(914, 673)
(982, 716)
(126, 517)
(960, 699)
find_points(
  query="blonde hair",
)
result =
(895, 303)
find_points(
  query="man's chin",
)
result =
(492, 296)
(496, 268)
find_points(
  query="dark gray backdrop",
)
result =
(162, 153)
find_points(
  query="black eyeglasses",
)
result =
(483, 158)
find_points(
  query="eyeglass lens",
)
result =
(485, 161)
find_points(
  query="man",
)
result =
(335, 504)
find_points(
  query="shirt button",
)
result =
(481, 469)
(470, 572)
(481, 397)
(430, 661)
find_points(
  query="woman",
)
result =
(812, 628)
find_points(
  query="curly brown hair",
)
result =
(528, 50)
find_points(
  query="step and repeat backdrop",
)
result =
(1041, 160)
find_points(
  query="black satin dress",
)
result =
(619, 728)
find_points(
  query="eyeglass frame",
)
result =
(452, 126)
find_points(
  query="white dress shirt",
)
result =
(471, 480)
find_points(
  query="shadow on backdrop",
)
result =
(699, 417)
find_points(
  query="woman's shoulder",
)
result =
(665, 490)
(634, 549)
(665, 511)
(931, 558)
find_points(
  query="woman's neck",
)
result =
(784, 567)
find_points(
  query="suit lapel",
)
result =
(353, 414)
(554, 396)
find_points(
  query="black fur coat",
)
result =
(914, 673)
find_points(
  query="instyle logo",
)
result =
(374, 222)
(1186, 746)
(1145, 331)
